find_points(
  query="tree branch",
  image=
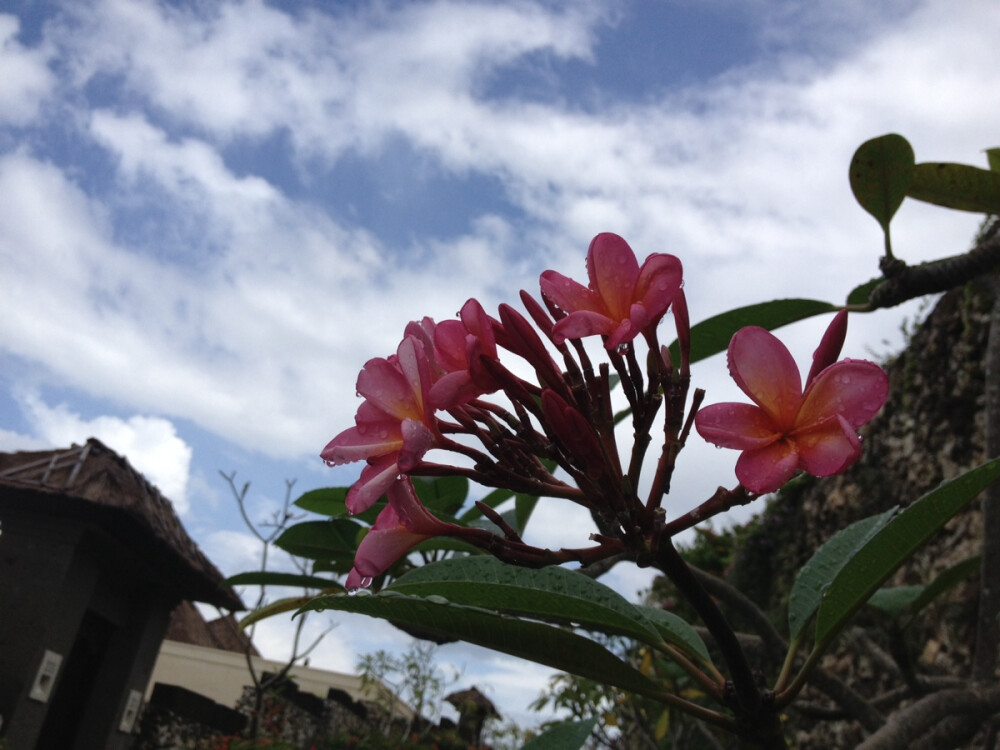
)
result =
(905, 282)
(918, 722)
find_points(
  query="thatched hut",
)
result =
(92, 561)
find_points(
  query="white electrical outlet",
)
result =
(45, 678)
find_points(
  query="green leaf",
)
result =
(291, 604)
(329, 501)
(823, 567)
(442, 494)
(893, 544)
(524, 506)
(993, 157)
(492, 500)
(544, 644)
(570, 735)
(880, 174)
(336, 539)
(945, 580)
(906, 602)
(552, 594)
(958, 186)
(712, 336)
(860, 294)
(910, 600)
(446, 544)
(676, 631)
(270, 578)
(894, 601)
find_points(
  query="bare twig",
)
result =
(278, 523)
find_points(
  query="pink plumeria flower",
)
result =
(622, 299)
(788, 429)
(394, 427)
(401, 526)
(458, 347)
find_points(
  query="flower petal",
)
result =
(658, 283)
(733, 425)
(412, 513)
(387, 541)
(384, 385)
(829, 447)
(356, 581)
(829, 346)
(578, 325)
(450, 345)
(375, 479)
(414, 363)
(613, 271)
(763, 368)
(480, 325)
(399, 527)
(568, 295)
(768, 468)
(852, 388)
(417, 440)
(364, 441)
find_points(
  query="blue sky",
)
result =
(212, 214)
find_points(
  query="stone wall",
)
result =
(180, 719)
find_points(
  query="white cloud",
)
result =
(13, 441)
(151, 444)
(235, 552)
(333, 79)
(249, 311)
(26, 79)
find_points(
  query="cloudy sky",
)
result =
(212, 214)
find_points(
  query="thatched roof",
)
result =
(473, 702)
(93, 482)
(224, 633)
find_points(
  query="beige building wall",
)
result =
(221, 675)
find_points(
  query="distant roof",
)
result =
(94, 477)
(464, 700)
(188, 626)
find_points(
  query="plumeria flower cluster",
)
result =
(441, 391)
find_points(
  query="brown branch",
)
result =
(893, 697)
(928, 720)
(748, 699)
(905, 282)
